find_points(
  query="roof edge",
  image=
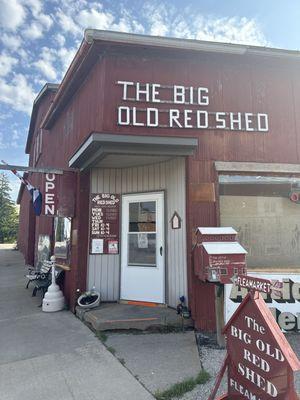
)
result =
(48, 87)
(91, 35)
(67, 79)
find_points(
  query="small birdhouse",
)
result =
(176, 221)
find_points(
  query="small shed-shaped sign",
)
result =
(260, 361)
(217, 257)
(175, 221)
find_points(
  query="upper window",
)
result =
(37, 149)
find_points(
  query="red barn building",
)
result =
(157, 137)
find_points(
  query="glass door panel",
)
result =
(142, 234)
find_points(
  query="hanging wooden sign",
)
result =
(59, 193)
(104, 223)
(50, 195)
(260, 362)
(249, 282)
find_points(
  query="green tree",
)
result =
(9, 219)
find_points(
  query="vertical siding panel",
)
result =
(124, 188)
(163, 169)
(175, 184)
(175, 250)
(100, 180)
(173, 199)
(104, 258)
(183, 217)
(151, 177)
(98, 259)
(134, 187)
(169, 236)
(94, 181)
(179, 237)
(116, 294)
(110, 259)
(180, 188)
(156, 175)
(129, 180)
(140, 179)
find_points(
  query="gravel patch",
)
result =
(211, 359)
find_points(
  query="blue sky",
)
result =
(38, 40)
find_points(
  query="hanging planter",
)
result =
(89, 299)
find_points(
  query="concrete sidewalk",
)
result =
(158, 360)
(52, 356)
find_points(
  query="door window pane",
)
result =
(142, 249)
(142, 216)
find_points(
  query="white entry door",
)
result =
(143, 248)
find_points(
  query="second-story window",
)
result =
(37, 150)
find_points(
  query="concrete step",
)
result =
(115, 316)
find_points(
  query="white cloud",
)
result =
(167, 21)
(23, 56)
(233, 30)
(45, 20)
(33, 31)
(6, 64)
(17, 93)
(137, 27)
(36, 9)
(35, 6)
(12, 14)
(45, 64)
(12, 42)
(127, 23)
(60, 39)
(94, 19)
(67, 23)
(159, 18)
(66, 56)
(69, 18)
(3, 142)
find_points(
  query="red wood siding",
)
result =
(236, 83)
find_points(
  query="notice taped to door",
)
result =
(104, 223)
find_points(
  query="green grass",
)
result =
(112, 350)
(101, 336)
(179, 389)
(202, 377)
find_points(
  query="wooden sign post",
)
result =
(260, 362)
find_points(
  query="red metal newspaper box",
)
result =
(218, 256)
